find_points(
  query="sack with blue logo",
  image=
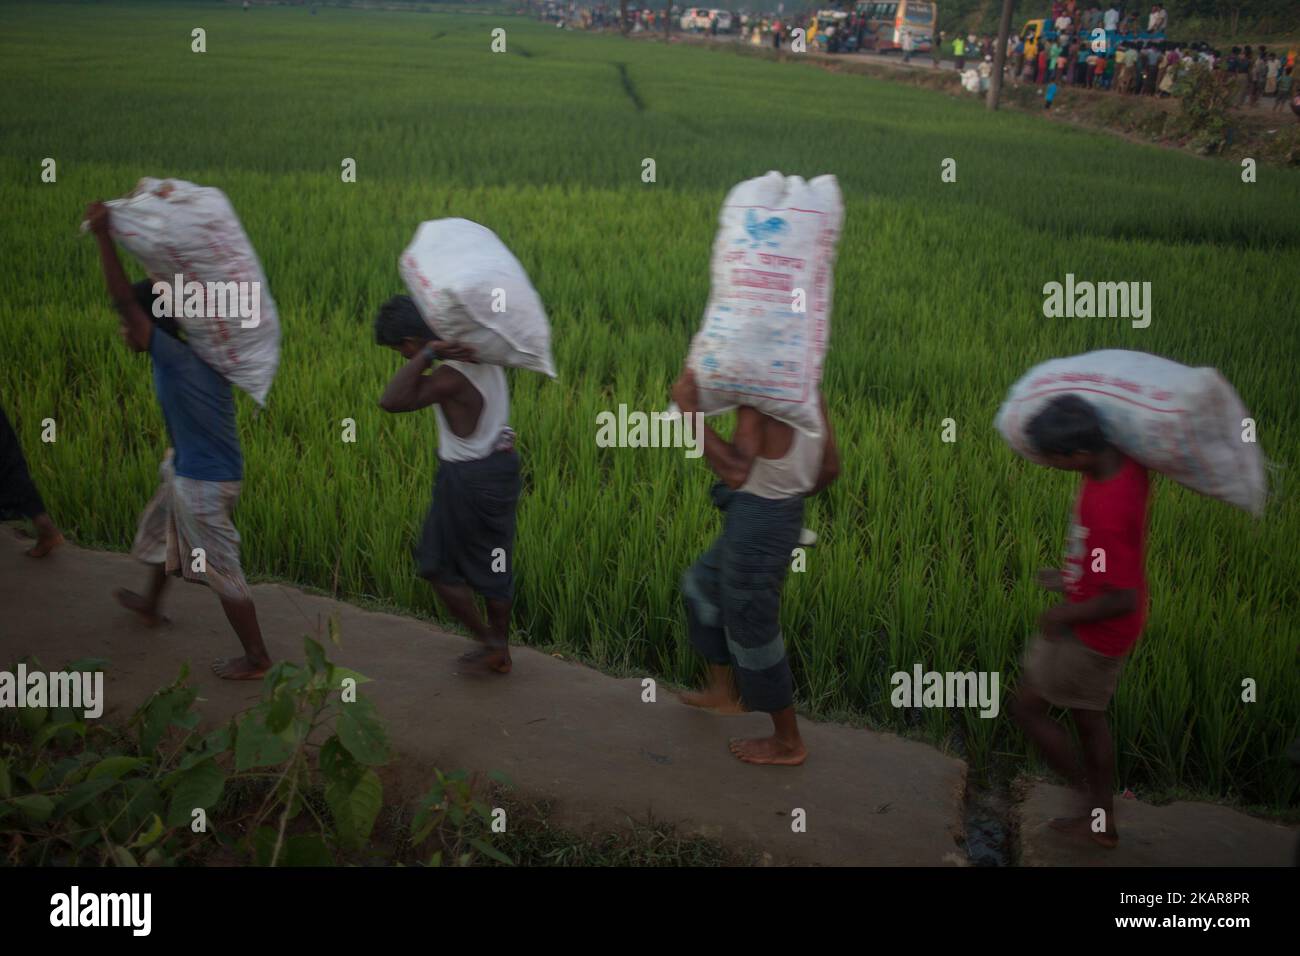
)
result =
(767, 324)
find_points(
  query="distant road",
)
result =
(921, 61)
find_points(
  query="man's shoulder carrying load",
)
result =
(471, 289)
(1189, 424)
(767, 323)
(222, 299)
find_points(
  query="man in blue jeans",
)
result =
(733, 592)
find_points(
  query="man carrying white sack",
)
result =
(1112, 415)
(760, 350)
(467, 544)
(187, 527)
(733, 592)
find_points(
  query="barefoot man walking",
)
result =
(1075, 659)
(733, 592)
(467, 545)
(186, 529)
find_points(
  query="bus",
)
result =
(887, 20)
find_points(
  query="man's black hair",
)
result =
(398, 319)
(144, 297)
(1067, 424)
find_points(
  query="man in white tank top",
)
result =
(467, 543)
(733, 592)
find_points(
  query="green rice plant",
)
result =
(927, 549)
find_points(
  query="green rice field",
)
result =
(927, 549)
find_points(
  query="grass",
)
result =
(927, 549)
(533, 837)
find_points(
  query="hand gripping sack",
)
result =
(1185, 423)
(177, 228)
(767, 323)
(471, 289)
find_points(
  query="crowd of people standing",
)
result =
(1113, 49)
(1103, 50)
(1151, 67)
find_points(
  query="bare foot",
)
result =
(769, 750)
(240, 668)
(1081, 827)
(134, 602)
(715, 699)
(494, 658)
(45, 543)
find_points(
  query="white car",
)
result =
(701, 19)
(695, 18)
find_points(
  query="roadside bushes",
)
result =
(292, 781)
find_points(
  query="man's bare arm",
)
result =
(1110, 603)
(830, 469)
(411, 389)
(137, 325)
(732, 461)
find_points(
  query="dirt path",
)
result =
(579, 738)
(558, 730)
(923, 62)
(1178, 834)
(1258, 131)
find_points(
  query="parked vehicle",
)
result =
(1041, 29)
(695, 18)
(700, 19)
(888, 20)
(833, 35)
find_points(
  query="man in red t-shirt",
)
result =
(1075, 659)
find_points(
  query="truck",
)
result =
(1041, 30)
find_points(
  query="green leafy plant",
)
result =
(1207, 96)
(292, 781)
(78, 792)
(463, 822)
(312, 710)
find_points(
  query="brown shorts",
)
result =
(1068, 673)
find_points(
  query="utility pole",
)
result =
(1000, 53)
